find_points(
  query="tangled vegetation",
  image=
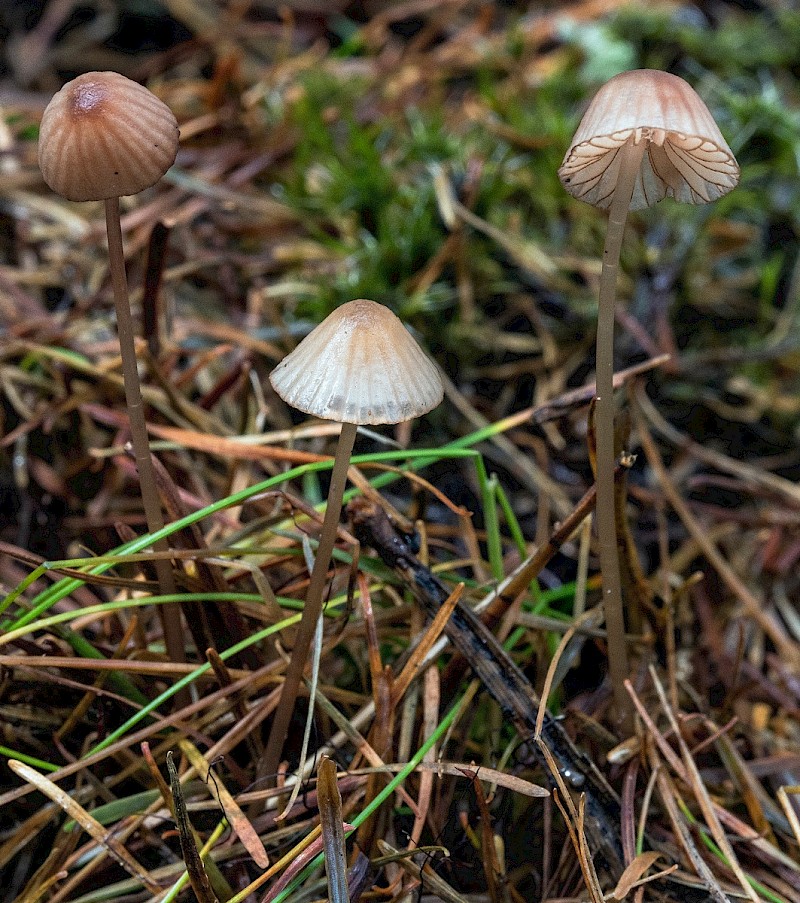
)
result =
(461, 735)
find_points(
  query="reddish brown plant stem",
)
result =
(313, 604)
(173, 634)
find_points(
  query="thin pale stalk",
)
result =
(313, 604)
(630, 162)
(173, 634)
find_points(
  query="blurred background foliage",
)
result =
(408, 152)
(365, 122)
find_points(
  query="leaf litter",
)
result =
(405, 152)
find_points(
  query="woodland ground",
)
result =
(405, 152)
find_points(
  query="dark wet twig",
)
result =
(151, 299)
(501, 677)
(194, 864)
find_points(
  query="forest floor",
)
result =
(463, 734)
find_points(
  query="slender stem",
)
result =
(630, 161)
(173, 633)
(313, 603)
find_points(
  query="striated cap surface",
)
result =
(103, 135)
(360, 365)
(686, 157)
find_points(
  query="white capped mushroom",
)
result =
(359, 366)
(645, 136)
(685, 156)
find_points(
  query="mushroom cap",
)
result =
(103, 136)
(360, 365)
(686, 157)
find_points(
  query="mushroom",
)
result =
(646, 135)
(359, 366)
(104, 136)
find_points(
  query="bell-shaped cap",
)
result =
(104, 136)
(686, 156)
(360, 365)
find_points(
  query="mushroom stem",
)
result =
(313, 604)
(173, 634)
(631, 154)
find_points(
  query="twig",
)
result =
(500, 676)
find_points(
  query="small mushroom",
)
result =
(645, 136)
(359, 366)
(103, 136)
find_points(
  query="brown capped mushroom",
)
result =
(645, 136)
(359, 366)
(104, 136)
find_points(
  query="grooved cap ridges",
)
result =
(360, 365)
(103, 136)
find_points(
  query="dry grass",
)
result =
(405, 152)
